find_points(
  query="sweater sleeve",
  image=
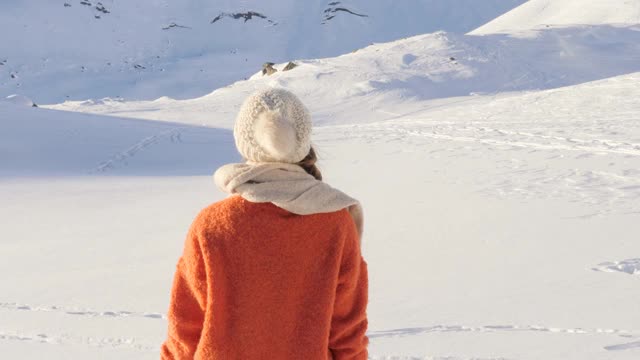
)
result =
(347, 339)
(188, 302)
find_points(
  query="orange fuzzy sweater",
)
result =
(258, 282)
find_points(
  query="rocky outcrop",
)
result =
(102, 9)
(174, 25)
(99, 7)
(290, 66)
(246, 16)
(335, 8)
(268, 69)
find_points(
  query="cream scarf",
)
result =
(287, 186)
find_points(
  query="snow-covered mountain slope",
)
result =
(432, 66)
(144, 49)
(499, 226)
(536, 14)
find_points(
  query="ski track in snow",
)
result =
(174, 135)
(487, 135)
(494, 329)
(611, 189)
(81, 312)
(67, 339)
(133, 343)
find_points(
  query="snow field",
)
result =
(486, 221)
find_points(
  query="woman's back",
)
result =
(264, 283)
(274, 272)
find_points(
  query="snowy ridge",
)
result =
(424, 67)
(537, 14)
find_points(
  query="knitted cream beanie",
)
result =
(273, 126)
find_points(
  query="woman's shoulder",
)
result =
(218, 212)
(227, 204)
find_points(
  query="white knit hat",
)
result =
(273, 126)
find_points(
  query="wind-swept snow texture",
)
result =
(536, 14)
(52, 50)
